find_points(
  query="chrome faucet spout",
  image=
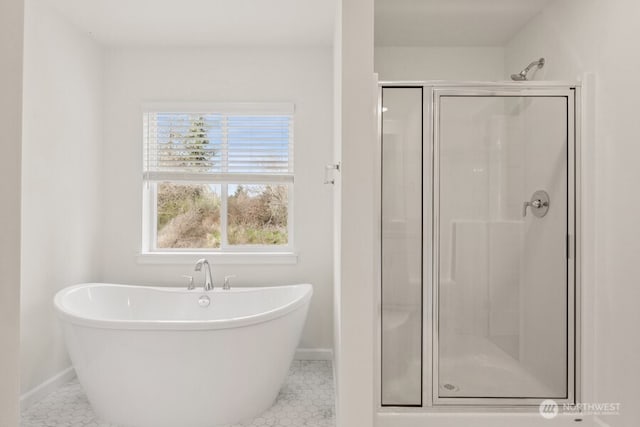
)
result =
(208, 281)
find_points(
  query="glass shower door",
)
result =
(503, 277)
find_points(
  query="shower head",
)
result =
(522, 75)
(519, 77)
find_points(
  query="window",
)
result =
(218, 178)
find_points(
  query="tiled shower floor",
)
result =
(306, 399)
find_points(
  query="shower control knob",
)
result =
(539, 204)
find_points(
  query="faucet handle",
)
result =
(227, 282)
(190, 286)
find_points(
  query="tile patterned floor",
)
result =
(306, 399)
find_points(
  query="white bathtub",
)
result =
(153, 357)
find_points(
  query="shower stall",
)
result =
(479, 285)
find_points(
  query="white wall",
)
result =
(356, 189)
(299, 75)
(11, 37)
(439, 63)
(61, 176)
(578, 36)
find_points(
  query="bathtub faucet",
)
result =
(208, 281)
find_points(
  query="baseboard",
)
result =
(314, 354)
(41, 391)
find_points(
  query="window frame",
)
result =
(232, 254)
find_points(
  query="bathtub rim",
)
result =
(65, 315)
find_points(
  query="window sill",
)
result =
(183, 258)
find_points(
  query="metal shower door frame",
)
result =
(432, 91)
(431, 296)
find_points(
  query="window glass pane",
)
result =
(186, 142)
(401, 250)
(188, 215)
(258, 144)
(199, 143)
(257, 214)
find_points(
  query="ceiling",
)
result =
(203, 22)
(295, 22)
(451, 22)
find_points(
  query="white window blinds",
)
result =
(231, 143)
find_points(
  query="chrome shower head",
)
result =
(522, 75)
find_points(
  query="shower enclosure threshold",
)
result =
(480, 419)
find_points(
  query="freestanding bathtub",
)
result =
(162, 357)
